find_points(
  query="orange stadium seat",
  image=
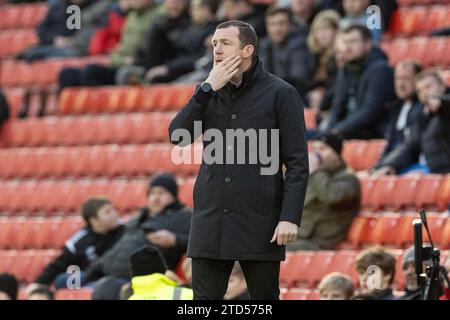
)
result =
(426, 195)
(68, 227)
(310, 118)
(381, 197)
(49, 227)
(186, 191)
(70, 294)
(41, 259)
(297, 294)
(7, 258)
(298, 267)
(386, 228)
(21, 265)
(18, 40)
(405, 191)
(359, 231)
(320, 266)
(445, 235)
(15, 97)
(25, 238)
(367, 186)
(443, 198)
(436, 50)
(437, 17)
(344, 262)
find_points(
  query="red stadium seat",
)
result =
(320, 266)
(74, 294)
(297, 294)
(310, 118)
(386, 228)
(44, 238)
(426, 196)
(67, 228)
(437, 18)
(40, 260)
(445, 235)
(405, 194)
(25, 238)
(382, 194)
(443, 199)
(21, 266)
(367, 186)
(353, 152)
(7, 258)
(343, 262)
(127, 196)
(186, 191)
(436, 51)
(359, 231)
(294, 270)
(399, 278)
(436, 223)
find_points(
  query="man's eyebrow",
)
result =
(220, 39)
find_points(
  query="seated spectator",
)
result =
(102, 231)
(336, 286)
(321, 41)
(149, 280)
(243, 10)
(4, 108)
(362, 89)
(376, 269)
(404, 112)
(8, 287)
(283, 53)
(332, 198)
(356, 14)
(237, 287)
(413, 291)
(41, 293)
(426, 147)
(303, 12)
(143, 13)
(57, 40)
(164, 223)
(173, 44)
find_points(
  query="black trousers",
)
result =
(210, 278)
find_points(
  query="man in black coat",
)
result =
(243, 212)
(164, 224)
(363, 87)
(428, 142)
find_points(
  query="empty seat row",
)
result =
(406, 192)
(135, 128)
(26, 265)
(419, 19)
(299, 294)
(394, 229)
(22, 15)
(95, 161)
(40, 73)
(305, 269)
(16, 41)
(37, 233)
(403, 3)
(110, 99)
(429, 51)
(363, 154)
(53, 197)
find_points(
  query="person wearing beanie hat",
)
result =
(8, 287)
(149, 280)
(332, 197)
(164, 223)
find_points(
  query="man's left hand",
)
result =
(162, 238)
(285, 233)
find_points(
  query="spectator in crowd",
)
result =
(243, 10)
(376, 269)
(143, 13)
(283, 53)
(68, 42)
(426, 148)
(404, 112)
(321, 41)
(174, 43)
(336, 286)
(363, 87)
(8, 287)
(332, 198)
(102, 231)
(356, 14)
(303, 12)
(41, 293)
(4, 108)
(148, 278)
(237, 288)
(164, 223)
(413, 291)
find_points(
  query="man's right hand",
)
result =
(223, 71)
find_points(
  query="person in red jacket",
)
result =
(105, 39)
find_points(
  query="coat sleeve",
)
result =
(339, 191)
(379, 90)
(294, 153)
(56, 267)
(191, 112)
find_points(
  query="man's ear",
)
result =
(248, 51)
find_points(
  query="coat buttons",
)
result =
(227, 179)
(233, 116)
(226, 211)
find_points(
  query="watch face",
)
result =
(206, 87)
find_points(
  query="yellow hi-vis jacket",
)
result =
(158, 287)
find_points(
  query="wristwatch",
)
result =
(204, 93)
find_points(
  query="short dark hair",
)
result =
(91, 206)
(44, 291)
(213, 5)
(363, 31)
(274, 10)
(376, 256)
(247, 35)
(429, 73)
